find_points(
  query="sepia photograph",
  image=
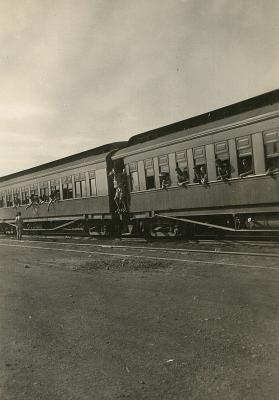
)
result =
(139, 199)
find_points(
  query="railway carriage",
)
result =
(80, 189)
(218, 170)
(243, 136)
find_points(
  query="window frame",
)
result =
(2, 200)
(133, 169)
(223, 155)
(80, 185)
(92, 179)
(25, 193)
(147, 168)
(9, 199)
(44, 190)
(16, 195)
(203, 157)
(249, 153)
(67, 188)
(55, 187)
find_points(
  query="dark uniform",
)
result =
(19, 226)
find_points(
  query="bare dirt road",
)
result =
(84, 323)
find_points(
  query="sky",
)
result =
(76, 74)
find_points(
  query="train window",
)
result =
(80, 185)
(181, 159)
(55, 188)
(271, 146)
(16, 199)
(33, 190)
(2, 200)
(222, 157)
(134, 177)
(44, 192)
(244, 156)
(200, 169)
(25, 195)
(67, 187)
(92, 183)
(149, 174)
(164, 171)
(181, 169)
(9, 199)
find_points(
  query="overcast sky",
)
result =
(76, 74)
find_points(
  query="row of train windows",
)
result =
(222, 159)
(45, 191)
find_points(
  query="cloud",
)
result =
(74, 75)
(20, 111)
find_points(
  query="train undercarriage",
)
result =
(156, 225)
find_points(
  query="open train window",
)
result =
(164, 171)
(80, 185)
(16, 199)
(92, 183)
(25, 195)
(67, 187)
(200, 168)
(9, 199)
(271, 147)
(33, 190)
(181, 169)
(222, 161)
(244, 156)
(2, 200)
(55, 188)
(134, 177)
(149, 174)
(44, 192)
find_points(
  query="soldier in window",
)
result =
(43, 198)
(182, 176)
(197, 174)
(164, 180)
(31, 201)
(34, 201)
(16, 202)
(272, 168)
(200, 175)
(245, 168)
(52, 198)
(37, 199)
(203, 175)
(223, 170)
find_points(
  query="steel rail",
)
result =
(146, 248)
(136, 256)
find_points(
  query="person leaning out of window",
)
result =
(182, 176)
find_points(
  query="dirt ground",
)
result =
(77, 324)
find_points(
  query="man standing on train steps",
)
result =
(19, 225)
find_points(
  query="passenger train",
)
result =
(217, 171)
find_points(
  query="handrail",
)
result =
(225, 228)
(49, 229)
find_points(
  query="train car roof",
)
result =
(229, 112)
(98, 151)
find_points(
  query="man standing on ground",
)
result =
(19, 225)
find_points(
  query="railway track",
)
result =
(227, 237)
(188, 249)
